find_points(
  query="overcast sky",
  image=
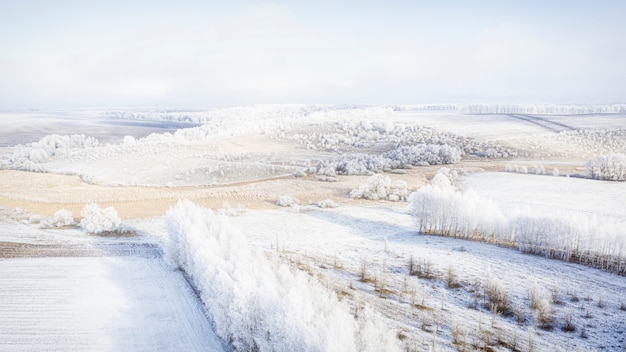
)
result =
(217, 53)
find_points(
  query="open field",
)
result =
(344, 238)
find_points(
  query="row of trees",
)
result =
(542, 109)
(261, 305)
(441, 209)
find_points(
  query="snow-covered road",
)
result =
(117, 303)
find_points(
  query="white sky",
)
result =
(217, 53)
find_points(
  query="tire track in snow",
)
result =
(543, 123)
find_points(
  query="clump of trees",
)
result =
(610, 167)
(400, 158)
(30, 156)
(352, 135)
(380, 187)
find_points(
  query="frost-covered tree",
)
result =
(97, 220)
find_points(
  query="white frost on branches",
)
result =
(400, 158)
(611, 167)
(380, 187)
(542, 109)
(97, 220)
(262, 305)
(30, 156)
(61, 218)
(442, 209)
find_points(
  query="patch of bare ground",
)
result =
(31, 250)
(44, 194)
(28, 250)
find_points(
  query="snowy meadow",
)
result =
(340, 228)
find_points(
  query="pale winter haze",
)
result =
(307, 227)
(209, 53)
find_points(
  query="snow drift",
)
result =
(260, 305)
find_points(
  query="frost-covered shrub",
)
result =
(259, 304)
(62, 217)
(380, 187)
(287, 201)
(327, 203)
(97, 220)
(611, 167)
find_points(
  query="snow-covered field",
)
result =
(99, 304)
(64, 291)
(304, 249)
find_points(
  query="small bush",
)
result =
(327, 203)
(287, 201)
(544, 314)
(61, 218)
(498, 296)
(453, 280)
(541, 303)
(568, 325)
(601, 302)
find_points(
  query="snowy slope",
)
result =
(335, 243)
